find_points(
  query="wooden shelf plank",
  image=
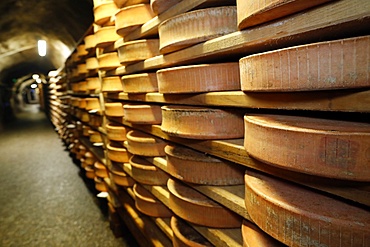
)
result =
(342, 19)
(340, 100)
(221, 237)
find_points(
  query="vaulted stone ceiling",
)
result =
(61, 23)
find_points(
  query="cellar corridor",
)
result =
(44, 198)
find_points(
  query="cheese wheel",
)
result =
(90, 42)
(328, 148)
(103, 12)
(196, 208)
(142, 114)
(184, 235)
(92, 104)
(338, 64)
(144, 144)
(196, 26)
(201, 123)
(297, 216)
(100, 170)
(254, 12)
(146, 173)
(195, 167)
(116, 132)
(114, 109)
(120, 3)
(92, 63)
(89, 172)
(81, 51)
(199, 78)
(108, 61)
(254, 236)
(131, 17)
(146, 203)
(93, 83)
(81, 69)
(121, 178)
(111, 84)
(100, 185)
(89, 158)
(160, 6)
(137, 50)
(140, 83)
(95, 136)
(81, 103)
(117, 153)
(106, 36)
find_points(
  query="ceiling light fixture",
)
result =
(41, 45)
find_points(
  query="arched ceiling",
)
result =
(61, 23)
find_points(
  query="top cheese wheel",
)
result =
(298, 216)
(195, 27)
(328, 148)
(159, 6)
(254, 12)
(338, 64)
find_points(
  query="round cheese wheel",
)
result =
(81, 69)
(100, 170)
(196, 26)
(136, 50)
(144, 144)
(116, 132)
(338, 64)
(254, 236)
(142, 114)
(92, 63)
(106, 36)
(184, 235)
(201, 123)
(103, 12)
(196, 208)
(95, 136)
(125, 3)
(114, 109)
(140, 83)
(146, 203)
(90, 42)
(89, 172)
(297, 216)
(121, 178)
(81, 103)
(111, 84)
(93, 83)
(159, 6)
(199, 78)
(131, 17)
(117, 153)
(100, 185)
(195, 167)
(81, 51)
(328, 148)
(146, 173)
(108, 61)
(92, 104)
(89, 158)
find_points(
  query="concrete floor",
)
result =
(44, 200)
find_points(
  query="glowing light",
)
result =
(35, 76)
(33, 85)
(38, 80)
(41, 44)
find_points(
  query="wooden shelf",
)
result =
(342, 19)
(336, 101)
